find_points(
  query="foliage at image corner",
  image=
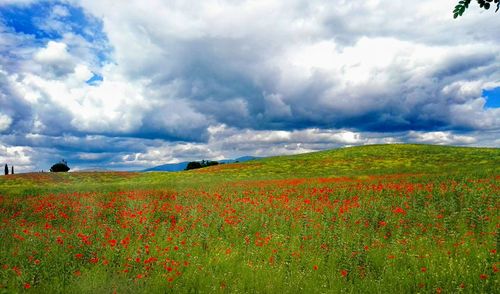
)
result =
(464, 5)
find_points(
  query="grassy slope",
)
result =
(346, 162)
(415, 242)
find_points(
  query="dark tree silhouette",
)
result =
(464, 5)
(203, 163)
(60, 167)
(12, 170)
(6, 169)
(193, 165)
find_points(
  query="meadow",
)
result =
(371, 219)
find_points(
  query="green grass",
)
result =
(345, 162)
(371, 219)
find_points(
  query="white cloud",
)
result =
(18, 156)
(5, 122)
(55, 59)
(261, 77)
(442, 138)
(60, 11)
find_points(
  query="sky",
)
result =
(125, 85)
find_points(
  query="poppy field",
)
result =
(325, 222)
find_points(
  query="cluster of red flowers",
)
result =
(275, 223)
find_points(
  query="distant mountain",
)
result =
(174, 167)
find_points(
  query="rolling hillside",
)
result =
(370, 219)
(357, 161)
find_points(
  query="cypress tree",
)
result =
(6, 169)
(12, 170)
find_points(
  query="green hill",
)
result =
(370, 160)
(410, 218)
(357, 161)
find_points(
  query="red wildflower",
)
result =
(399, 210)
(27, 286)
(344, 273)
(423, 269)
(315, 267)
(94, 260)
(483, 276)
(78, 256)
(60, 240)
(112, 242)
(17, 270)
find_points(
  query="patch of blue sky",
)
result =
(40, 21)
(29, 19)
(492, 98)
(95, 80)
(25, 19)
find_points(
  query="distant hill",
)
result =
(174, 167)
(352, 162)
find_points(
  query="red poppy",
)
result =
(399, 210)
(344, 273)
(27, 286)
(315, 267)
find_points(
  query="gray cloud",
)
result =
(281, 76)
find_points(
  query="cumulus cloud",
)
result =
(20, 157)
(223, 78)
(5, 122)
(55, 59)
(441, 138)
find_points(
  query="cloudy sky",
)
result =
(131, 84)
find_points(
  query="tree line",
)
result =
(203, 163)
